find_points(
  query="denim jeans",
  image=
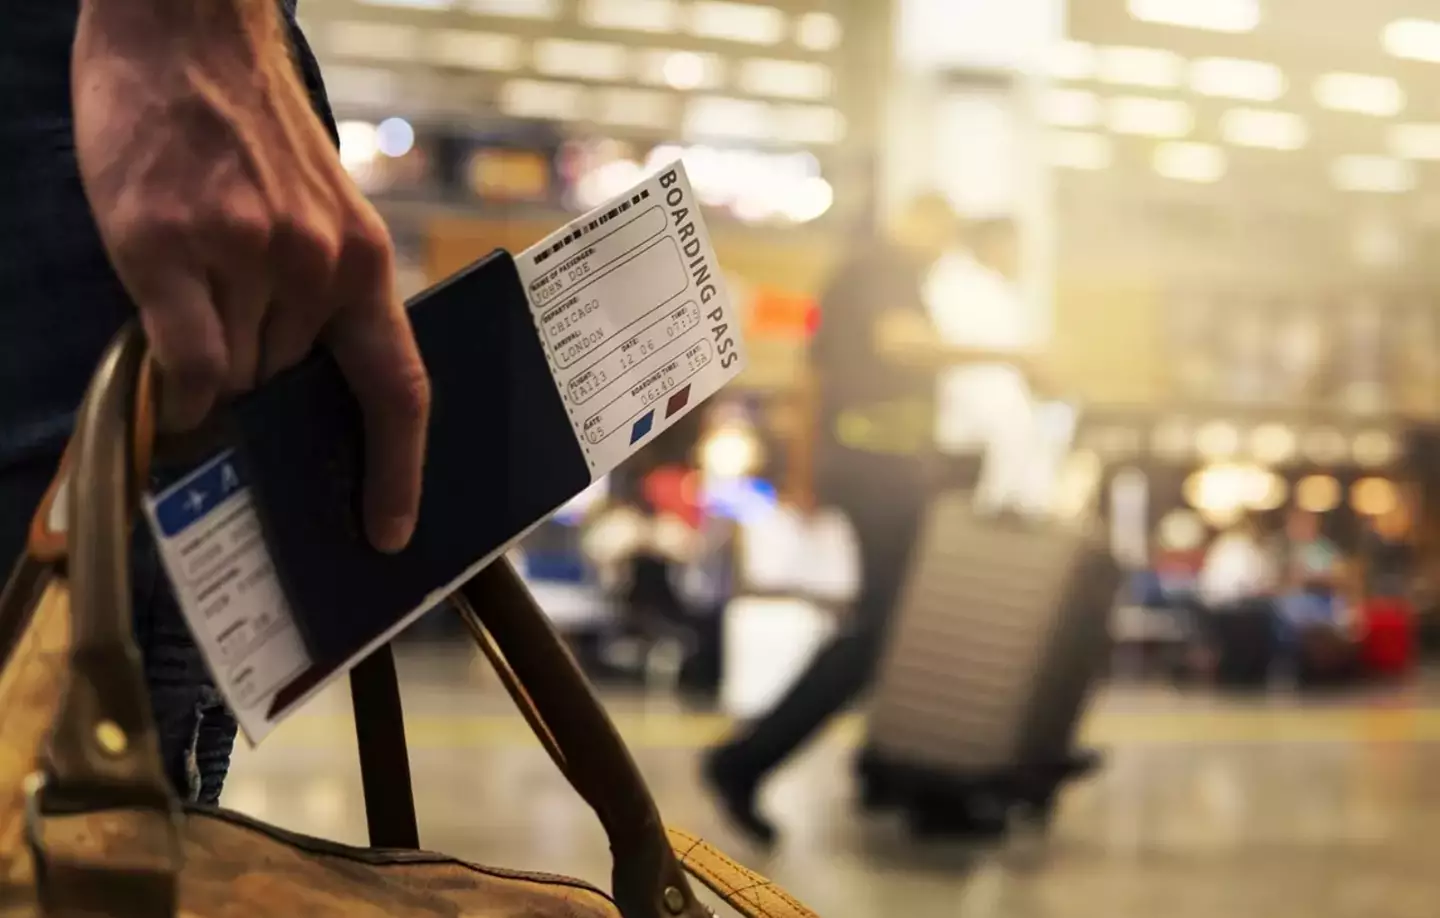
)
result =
(196, 732)
(60, 303)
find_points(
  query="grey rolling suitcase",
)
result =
(999, 635)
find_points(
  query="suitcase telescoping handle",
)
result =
(104, 752)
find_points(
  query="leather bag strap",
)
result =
(103, 752)
(596, 771)
(384, 756)
(646, 879)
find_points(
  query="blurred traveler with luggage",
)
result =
(875, 360)
(177, 161)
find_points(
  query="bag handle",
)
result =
(103, 751)
(555, 697)
(591, 769)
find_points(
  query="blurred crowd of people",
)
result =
(1256, 598)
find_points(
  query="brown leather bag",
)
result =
(89, 826)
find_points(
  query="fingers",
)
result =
(187, 343)
(372, 342)
(305, 256)
(233, 244)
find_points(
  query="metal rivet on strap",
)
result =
(111, 738)
(674, 900)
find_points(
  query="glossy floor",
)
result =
(1206, 807)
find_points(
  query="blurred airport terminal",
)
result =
(1178, 274)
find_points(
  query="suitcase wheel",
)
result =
(879, 786)
(979, 817)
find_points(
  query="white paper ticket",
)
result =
(210, 542)
(634, 316)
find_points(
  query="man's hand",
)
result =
(235, 229)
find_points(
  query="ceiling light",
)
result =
(818, 32)
(1273, 444)
(1071, 108)
(1374, 448)
(633, 15)
(1217, 439)
(1080, 150)
(394, 137)
(808, 200)
(1073, 60)
(684, 70)
(1211, 15)
(519, 9)
(359, 143)
(1413, 39)
(1152, 67)
(1317, 494)
(642, 108)
(741, 22)
(381, 41)
(1268, 130)
(588, 60)
(1148, 117)
(1360, 93)
(786, 79)
(1202, 163)
(1372, 173)
(541, 99)
(1229, 78)
(1374, 497)
(1415, 141)
(474, 50)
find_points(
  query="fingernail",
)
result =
(392, 534)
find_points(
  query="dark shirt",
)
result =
(60, 302)
(876, 416)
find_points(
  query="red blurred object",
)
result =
(779, 315)
(1388, 645)
(674, 489)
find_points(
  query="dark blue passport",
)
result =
(502, 455)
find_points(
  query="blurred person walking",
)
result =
(1238, 584)
(874, 360)
(177, 161)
